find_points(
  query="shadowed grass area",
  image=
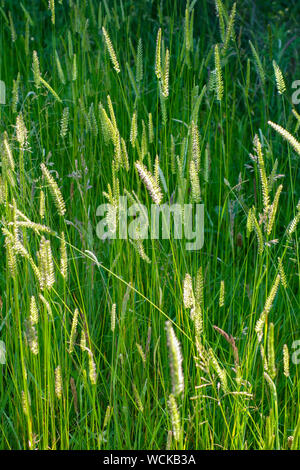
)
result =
(142, 344)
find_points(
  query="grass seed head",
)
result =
(111, 51)
(58, 383)
(175, 417)
(175, 359)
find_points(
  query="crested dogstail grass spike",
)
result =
(3, 192)
(113, 317)
(150, 183)
(222, 294)
(15, 93)
(175, 360)
(230, 30)
(74, 68)
(297, 116)
(58, 383)
(108, 129)
(259, 327)
(212, 81)
(139, 247)
(31, 337)
(139, 62)
(82, 340)
(25, 403)
(111, 51)
(270, 383)
(10, 257)
(34, 314)
(26, 39)
(197, 318)
(262, 172)
(162, 100)
(263, 357)
(220, 15)
(63, 257)
(286, 361)
(195, 184)
(137, 397)
(54, 189)
(158, 69)
(21, 131)
(199, 288)
(46, 266)
(92, 368)
(207, 162)
(117, 162)
(73, 331)
(133, 129)
(64, 122)
(141, 353)
(51, 6)
(187, 30)
(116, 184)
(165, 75)
(248, 77)
(50, 89)
(107, 417)
(42, 205)
(219, 78)
(8, 153)
(293, 224)
(112, 211)
(150, 128)
(32, 225)
(286, 135)
(282, 273)
(272, 295)
(188, 293)
(12, 28)
(249, 222)
(195, 145)
(175, 418)
(281, 88)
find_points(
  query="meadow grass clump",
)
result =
(139, 343)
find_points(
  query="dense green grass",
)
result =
(224, 405)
